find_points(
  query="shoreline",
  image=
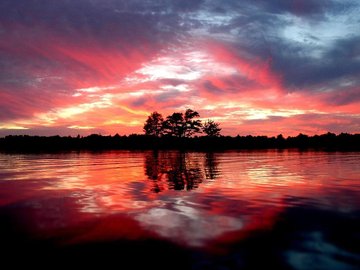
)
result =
(325, 142)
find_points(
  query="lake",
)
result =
(175, 210)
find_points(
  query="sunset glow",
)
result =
(164, 193)
(256, 67)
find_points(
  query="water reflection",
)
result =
(234, 201)
(178, 170)
(211, 166)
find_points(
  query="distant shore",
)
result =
(326, 142)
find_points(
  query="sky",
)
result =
(255, 66)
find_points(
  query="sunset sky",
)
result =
(255, 66)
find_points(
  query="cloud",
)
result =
(47, 50)
(106, 64)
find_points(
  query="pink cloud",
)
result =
(92, 86)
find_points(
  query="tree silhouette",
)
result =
(154, 124)
(192, 126)
(182, 125)
(211, 129)
(174, 125)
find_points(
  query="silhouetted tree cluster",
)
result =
(328, 142)
(179, 125)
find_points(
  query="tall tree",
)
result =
(211, 129)
(154, 124)
(192, 126)
(174, 125)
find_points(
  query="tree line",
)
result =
(180, 125)
(96, 142)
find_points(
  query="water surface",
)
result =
(228, 210)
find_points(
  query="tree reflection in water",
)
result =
(179, 170)
(211, 166)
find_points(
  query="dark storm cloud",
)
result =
(299, 70)
(302, 8)
(88, 17)
(305, 59)
(256, 30)
(107, 23)
(274, 6)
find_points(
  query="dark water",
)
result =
(172, 210)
